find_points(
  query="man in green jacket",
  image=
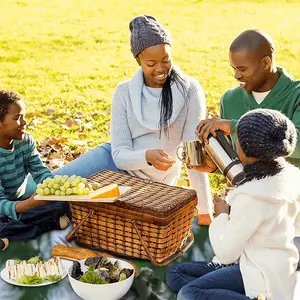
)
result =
(262, 85)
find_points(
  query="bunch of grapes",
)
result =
(64, 186)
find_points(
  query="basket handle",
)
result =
(71, 236)
(169, 259)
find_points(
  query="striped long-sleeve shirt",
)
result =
(15, 165)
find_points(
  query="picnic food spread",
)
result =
(76, 185)
(34, 270)
(100, 271)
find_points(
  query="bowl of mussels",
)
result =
(101, 278)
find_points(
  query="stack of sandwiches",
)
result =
(17, 269)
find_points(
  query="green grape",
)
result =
(57, 178)
(56, 186)
(95, 186)
(74, 190)
(81, 185)
(40, 186)
(50, 184)
(67, 184)
(84, 180)
(69, 191)
(57, 193)
(72, 177)
(46, 191)
(74, 183)
(86, 191)
(47, 180)
(62, 193)
(80, 192)
(40, 191)
(52, 190)
(63, 180)
(63, 188)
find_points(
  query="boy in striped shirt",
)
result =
(22, 217)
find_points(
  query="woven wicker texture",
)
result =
(147, 196)
(136, 220)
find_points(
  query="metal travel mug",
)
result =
(192, 153)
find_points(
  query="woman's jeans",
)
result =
(91, 162)
(206, 281)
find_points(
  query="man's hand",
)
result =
(208, 126)
(159, 159)
(220, 206)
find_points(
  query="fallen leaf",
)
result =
(78, 115)
(70, 123)
(82, 136)
(50, 111)
(79, 143)
(87, 125)
(56, 163)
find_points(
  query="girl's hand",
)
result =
(159, 159)
(220, 206)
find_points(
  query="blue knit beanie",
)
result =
(266, 134)
(146, 32)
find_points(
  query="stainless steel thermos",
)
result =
(226, 159)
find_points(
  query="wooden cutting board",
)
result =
(77, 198)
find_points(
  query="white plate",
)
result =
(4, 276)
(123, 189)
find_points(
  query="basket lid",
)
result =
(145, 195)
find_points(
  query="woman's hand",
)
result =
(159, 159)
(208, 126)
(220, 206)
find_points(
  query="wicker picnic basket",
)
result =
(150, 221)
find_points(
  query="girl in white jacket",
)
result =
(253, 244)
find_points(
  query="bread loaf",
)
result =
(75, 253)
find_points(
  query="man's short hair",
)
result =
(252, 40)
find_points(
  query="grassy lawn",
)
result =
(66, 56)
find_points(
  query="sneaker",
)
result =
(204, 219)
(4, 242)
(64, 222)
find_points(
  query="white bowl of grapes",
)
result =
(101, 278)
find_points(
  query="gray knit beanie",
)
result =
(266, 134)
(146, 31)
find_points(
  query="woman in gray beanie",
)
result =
(255, 257)
(152, 114)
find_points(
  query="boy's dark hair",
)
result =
(7, 98)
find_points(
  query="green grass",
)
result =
(69, 55)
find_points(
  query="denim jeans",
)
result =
(33, 222)
(89, 163)
(206, 281)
